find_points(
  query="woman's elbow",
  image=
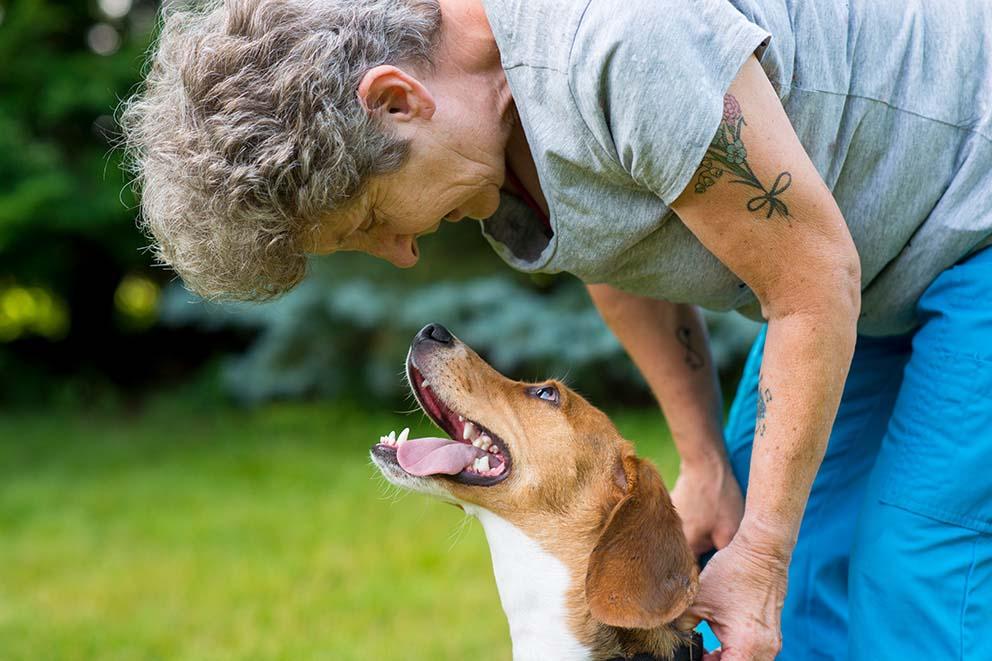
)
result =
(848, 284)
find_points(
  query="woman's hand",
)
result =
(741, 593)
(709, 502)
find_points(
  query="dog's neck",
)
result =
(533, 587)
(543, 599)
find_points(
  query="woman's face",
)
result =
(438, 183)
(458, 131)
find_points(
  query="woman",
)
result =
(823, 167)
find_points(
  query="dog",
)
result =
(588, 552)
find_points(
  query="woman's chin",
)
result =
(487, 206)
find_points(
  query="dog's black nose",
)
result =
(435, 332)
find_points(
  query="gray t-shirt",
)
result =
(619, 100)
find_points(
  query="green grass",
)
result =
(238, 535)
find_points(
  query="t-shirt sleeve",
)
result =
(649, 78)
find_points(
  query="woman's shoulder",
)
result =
(648, 79)
(534, 33)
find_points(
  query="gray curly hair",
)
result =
(249, 131)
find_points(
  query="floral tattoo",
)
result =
(727, 153)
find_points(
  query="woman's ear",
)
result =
(641, 573)
(394, 94)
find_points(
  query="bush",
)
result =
(334, 336)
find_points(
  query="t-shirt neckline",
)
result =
(529, 199)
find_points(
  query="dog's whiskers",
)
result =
(392, 494)
(458, 533)
(388, 491)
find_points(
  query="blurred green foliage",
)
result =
(67, 232)
(59, 180)
(346, 331)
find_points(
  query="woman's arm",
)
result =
(668, 343)
(760, 206)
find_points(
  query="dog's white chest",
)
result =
(532, 587)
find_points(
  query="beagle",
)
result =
(588, 551)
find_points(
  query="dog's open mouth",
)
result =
(473, 455)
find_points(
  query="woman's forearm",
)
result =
(805, 365)
(668, 343)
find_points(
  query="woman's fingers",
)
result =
(709, 502)
(749, 652)
(741, 595)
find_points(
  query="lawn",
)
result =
(231, 534)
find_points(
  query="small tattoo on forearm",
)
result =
(764, 397)
(727, 154)
(692, 357)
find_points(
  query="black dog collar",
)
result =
(691, 650)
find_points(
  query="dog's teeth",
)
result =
(425, 384)
(392, 437)
(403, 436)
(467, 431)
(483, 463)
(483, 441)
(461, 418)
(493, 449)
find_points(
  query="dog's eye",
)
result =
(547, 393)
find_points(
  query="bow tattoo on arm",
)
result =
(727, 153)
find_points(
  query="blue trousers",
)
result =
(894, 556)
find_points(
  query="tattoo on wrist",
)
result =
(764, 397)
(727, 154)
(692, 357)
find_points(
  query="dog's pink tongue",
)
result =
(435, 456)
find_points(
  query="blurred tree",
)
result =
(63, 66)
(66, 215)
(346, 329)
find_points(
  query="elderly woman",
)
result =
(823, 166)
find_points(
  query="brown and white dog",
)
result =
(588, 551)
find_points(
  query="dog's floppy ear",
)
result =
(641, 573)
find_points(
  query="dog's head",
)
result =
(543, 458)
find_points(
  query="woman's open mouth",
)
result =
(473, 455)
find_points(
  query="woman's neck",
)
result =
(520, 162)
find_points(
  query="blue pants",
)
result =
(894, 557)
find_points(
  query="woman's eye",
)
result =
(547, 393)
